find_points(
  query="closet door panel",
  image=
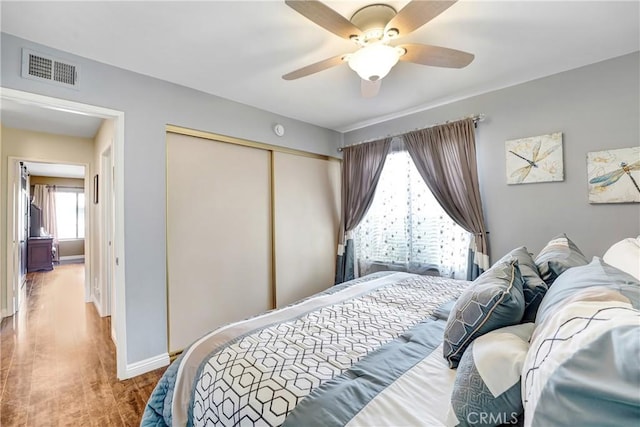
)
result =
(218, 235)
(307, 216)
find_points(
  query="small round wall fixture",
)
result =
(278, 129)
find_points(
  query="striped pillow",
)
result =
(559, 255)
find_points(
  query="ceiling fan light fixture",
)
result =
(392, 33)
(373, 62)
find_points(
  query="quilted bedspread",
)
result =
(257, 371)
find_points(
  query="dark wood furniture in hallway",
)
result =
(58, 363)
(39, 254)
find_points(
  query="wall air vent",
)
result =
(41, 67)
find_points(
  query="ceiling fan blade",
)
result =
(314, 68)
(415, 14)
(324, 16)
(370, 89)
(436, 56)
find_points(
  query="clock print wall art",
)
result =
(614, 176)
(534, 159)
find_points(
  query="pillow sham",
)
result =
(625, 255)
(582, 365)
(559, 255)
(486, 391)
(596, 277)
(492, 301)
(533, 287)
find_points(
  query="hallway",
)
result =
(58, 363)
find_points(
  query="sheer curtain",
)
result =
(406, 228)
(44, 198)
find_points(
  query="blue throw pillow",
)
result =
(486, 391)
(533, 286)
(492, 301)
(559, 255)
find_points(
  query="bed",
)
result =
(392, 348)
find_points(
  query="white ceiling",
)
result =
(55, 169)
(39, 119)
(240, 49)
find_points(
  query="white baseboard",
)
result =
(71, 257)
(97, 305)
(147, 365)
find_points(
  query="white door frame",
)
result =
(15, 290)
(13, 245)
(118, 192)
(107, 256)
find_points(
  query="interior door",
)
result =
(23, 232)
(17, 238)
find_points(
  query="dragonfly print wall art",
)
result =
(534, 159)
(614, 176)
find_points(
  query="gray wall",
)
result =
(595, 107)
(149, 104)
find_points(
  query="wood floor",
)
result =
(58, 363)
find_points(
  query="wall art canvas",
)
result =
(614, 176)
(535, 159)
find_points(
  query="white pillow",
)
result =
(625, 255)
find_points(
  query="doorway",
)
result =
(116, 273)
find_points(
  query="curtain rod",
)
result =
(475, 117)
(61, 186)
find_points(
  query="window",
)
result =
(406, 225)
(70, 213)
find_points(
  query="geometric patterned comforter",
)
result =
(256, 371)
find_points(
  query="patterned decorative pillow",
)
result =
(486, 390)
(492, 301)
(533, 286)
(559, 255)
(582, 366)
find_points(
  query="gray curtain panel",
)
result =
(445, 156)
(361, 168)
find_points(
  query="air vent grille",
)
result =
(37, 66)
(64, 73)
(40, 67)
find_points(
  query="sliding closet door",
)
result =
(218, 235)
(307, 216)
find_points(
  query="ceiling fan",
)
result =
(373, 28)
